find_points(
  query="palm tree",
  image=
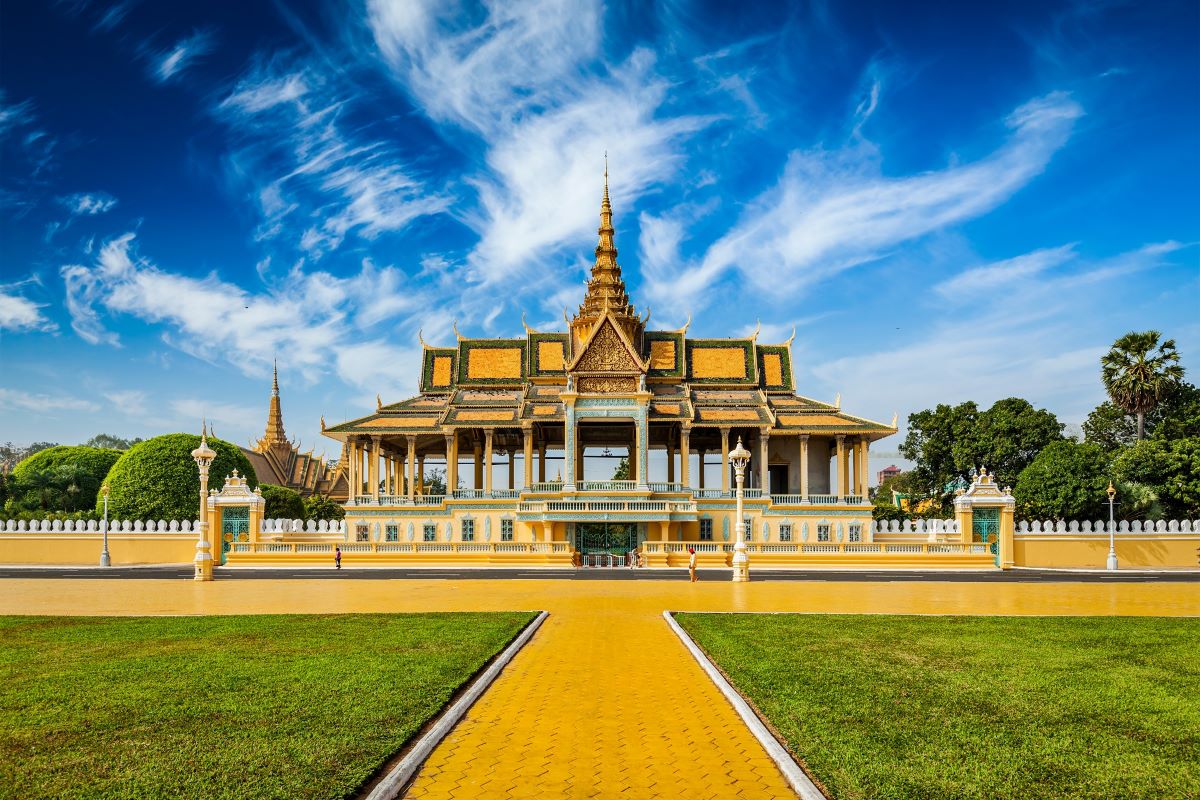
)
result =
(43, 483)
(73, 479)
(1138, 373)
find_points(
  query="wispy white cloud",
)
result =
(13, 115)
(1025, 337)
(313, 322)
(19, 314)
(170, 63)
(530, 80)
(88, 204)
(130, 402)
(36, 403)
(832, 210)
(320, 180)
(995, 276)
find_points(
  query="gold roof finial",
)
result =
(757, 330)
(528, 330)
(457, 335)
(421, 338)
(322, 422)
(791, 338)
(837, 401)
(605, 177)
(378, 403)
(275, 433)
(895, 418)
(686, 324)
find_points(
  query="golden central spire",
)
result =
(274, 433)
(606, 287)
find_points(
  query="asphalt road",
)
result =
(399, 573)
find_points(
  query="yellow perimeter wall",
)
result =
(1149, 551)
(1145, 550)
(68, 548)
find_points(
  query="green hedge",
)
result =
(282, 502)
(61, 478)
(157, 479)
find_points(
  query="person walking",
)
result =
(692, 563)
(337, 556)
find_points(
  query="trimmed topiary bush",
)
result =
(61, 478)
(157, 478)
(282, 502)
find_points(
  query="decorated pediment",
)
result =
(608, 350)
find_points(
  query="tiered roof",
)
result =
(735, 382)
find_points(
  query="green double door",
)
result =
(985, 527)
(600, 543)
(235, 527)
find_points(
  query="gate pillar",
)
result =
(984, 513)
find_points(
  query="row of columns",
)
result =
(407, 472)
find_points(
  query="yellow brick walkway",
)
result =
(604, 702)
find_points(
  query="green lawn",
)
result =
(248, 706)
(962, 707)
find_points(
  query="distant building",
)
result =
(278, 460)
(888, 472)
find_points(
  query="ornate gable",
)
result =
(607, 351)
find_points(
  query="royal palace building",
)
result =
(604, 438)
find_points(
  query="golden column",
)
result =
(725, 460)
(843, 463)
(685, 435)
(373, 468)
(487, 459)
(478, 482)
(527, 454)
(804, 466)
(864, 473)
(412, 465)
(764, 474)
(451, 464)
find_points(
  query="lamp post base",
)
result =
(105, 560)
(741, 564)
(203, 562)
(1111, 564)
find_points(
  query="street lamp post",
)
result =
(1112, 542)
(740, 457)
(105, 559)
(203, 456)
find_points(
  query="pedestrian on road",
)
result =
(337, 556)
(692, 563)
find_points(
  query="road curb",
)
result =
(394, 783)
(792, 772)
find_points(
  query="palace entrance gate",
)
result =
(605, 544)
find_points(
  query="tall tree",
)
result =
(1138, 372)
(949, 441)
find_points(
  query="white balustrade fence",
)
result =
(1063, 526)
(922, 527)
(330, 526)
(96, 526)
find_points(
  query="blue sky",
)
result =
(947, 202)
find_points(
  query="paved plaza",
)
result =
(605, 701)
